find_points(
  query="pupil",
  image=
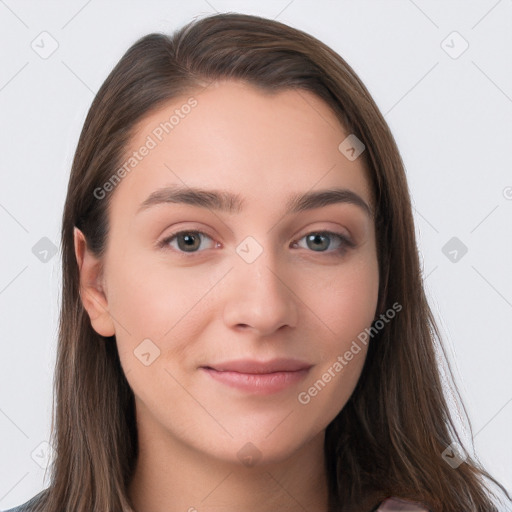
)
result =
(315, 238)
(189, 240)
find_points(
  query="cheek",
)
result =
(347, 300)
(150, 296)
(149, 299)
(346, 303)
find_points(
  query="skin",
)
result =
(211, 305)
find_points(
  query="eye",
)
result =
(188, 241)
(320, 241)
(317, 241)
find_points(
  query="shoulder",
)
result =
(398, 505)
(29, 505)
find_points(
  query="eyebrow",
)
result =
(233, 203)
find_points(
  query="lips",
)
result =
(259, 377)
(260, 367)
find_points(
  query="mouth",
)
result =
(257, 377)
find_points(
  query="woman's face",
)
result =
(255, 284)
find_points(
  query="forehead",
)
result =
(235, 136)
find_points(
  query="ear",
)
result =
(91, 286)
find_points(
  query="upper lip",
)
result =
(253, 366)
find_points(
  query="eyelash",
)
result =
(345, 243)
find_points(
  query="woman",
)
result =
(243, 322)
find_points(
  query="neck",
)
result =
(171, 476)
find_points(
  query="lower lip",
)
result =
(260, 383)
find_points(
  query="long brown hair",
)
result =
(389, 437)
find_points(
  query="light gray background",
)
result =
(452, 119)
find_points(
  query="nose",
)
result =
(261, 296)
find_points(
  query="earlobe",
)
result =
(92, 292)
